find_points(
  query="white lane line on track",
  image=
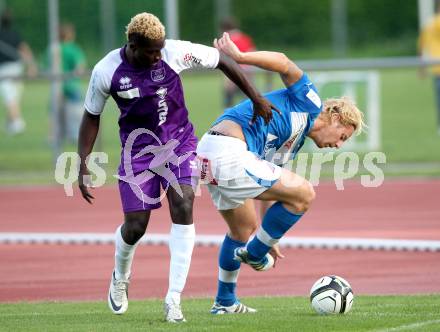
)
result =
(209, 240)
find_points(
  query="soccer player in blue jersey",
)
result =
(158, 143)
(242, 161)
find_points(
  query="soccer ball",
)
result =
(331, 295)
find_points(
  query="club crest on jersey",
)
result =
(158, 75)
(125, 83)
(188, 57)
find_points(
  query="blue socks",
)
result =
(276, 222)
(228, 272)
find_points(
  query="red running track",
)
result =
(66, 272)
(397, 209)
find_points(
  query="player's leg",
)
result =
(127, 236)
(293, 196)
(16, 123)
(242, 222)
(127, 239)
(238, 176)
(181, 244)
(11, 92)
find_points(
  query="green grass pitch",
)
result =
(369, 313)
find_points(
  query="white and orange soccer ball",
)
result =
(331, 295)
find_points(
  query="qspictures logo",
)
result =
(163, 156)
(345, 166)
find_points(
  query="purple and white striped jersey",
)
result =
(150, 98)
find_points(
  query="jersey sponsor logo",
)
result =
(125, 83)
(289, 143)
(158, 75)
(286, 150)
(162, 107)
(189, 57)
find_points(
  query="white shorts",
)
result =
(10, 89)
(231, 172)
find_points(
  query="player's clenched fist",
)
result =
(227, 46)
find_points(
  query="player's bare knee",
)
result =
(181, 211)
(301, 203)
(242, 235)
(137, 229)
(311, 194)
(308, 196)
(251, 229)
(254, 228)
(244, 232)
(134, 228)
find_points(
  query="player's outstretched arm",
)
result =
(272, 61)
(87, 136)
(262, 107)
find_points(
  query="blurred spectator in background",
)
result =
(14, 55)
(244, 44)
(429, 48)
(74, 63)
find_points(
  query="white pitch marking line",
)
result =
(410, 326)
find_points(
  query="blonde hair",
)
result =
(348, 111)
(146, 25)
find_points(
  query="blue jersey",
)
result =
(280, 140)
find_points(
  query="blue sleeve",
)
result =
(304, 96)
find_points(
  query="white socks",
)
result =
(123, 256)
(181, 245)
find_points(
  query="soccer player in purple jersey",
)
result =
(158, 143)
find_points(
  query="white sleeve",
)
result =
(181, 55)
(98, 91)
